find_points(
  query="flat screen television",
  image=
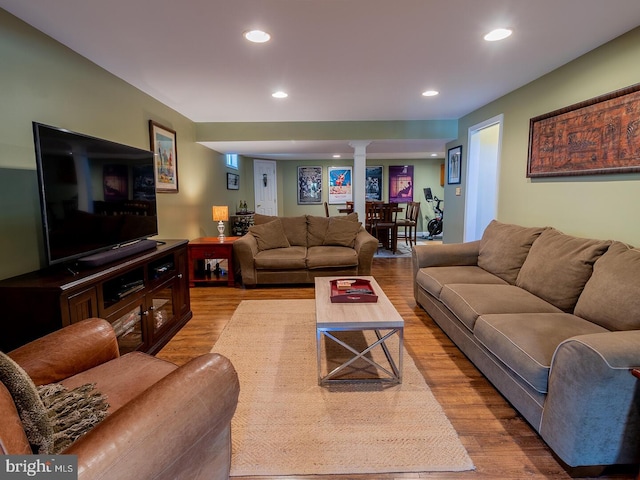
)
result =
(95, 195)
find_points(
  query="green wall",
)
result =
(44, 81)
(598, 206)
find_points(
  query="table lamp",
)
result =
(220, 215)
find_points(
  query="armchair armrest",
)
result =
(244, 250)
(165, 432)
(68, 351)
(451, 254)
(365, 245)
(592, 411)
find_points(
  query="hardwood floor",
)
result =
(500, 442)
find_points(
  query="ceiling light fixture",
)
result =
(430, 93)
(498, 34)
(280, 94)
(337, 155)
(257, 36)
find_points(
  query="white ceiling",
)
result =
(339, 60)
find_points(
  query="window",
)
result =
(232, 160)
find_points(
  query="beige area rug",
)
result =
(286, 424)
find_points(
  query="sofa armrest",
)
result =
(178, 428)
(68, 351)
(592, 411)
(450, 254)
(366, 246)
(244, 251)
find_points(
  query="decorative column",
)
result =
(359, 176)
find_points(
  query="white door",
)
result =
(265, 188)
(481, 200)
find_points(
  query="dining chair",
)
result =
(386, 228)
(410, 223)
(371, 216)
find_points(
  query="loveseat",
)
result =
(279, 250)
(553, 321)
(162, 421)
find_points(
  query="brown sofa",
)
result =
(163, 421)
(553, 321)
(280, 250)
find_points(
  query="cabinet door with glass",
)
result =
(161, 308)
(128, 324)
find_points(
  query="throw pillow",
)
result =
(316, 230)
(52, 416)
(341, 232)
(270, 235)
(32, 411)
(558, 267)
(504, 248)
(610, 297)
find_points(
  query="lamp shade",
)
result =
(220, 213)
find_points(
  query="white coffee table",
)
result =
(381, 317)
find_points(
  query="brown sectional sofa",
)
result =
(553, 321)
(279, 250)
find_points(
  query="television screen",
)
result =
(94, 194)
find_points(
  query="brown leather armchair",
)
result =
(164, 421)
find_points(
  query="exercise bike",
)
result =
(434, 227)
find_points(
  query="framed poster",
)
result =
(454, 164)
(165, 157)
(339, 185)
(233, 181)
(373, 184)
(594, 137)
(309, 185)
(400, 183)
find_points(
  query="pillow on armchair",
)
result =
(52, 416)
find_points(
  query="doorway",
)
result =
(481, 200)
(265, 187)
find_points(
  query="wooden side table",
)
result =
(207, 248)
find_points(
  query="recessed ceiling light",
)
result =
(337, 155)
(498, 34)
(257, 36)
(434, 154)
(280, 94)
(430, 93)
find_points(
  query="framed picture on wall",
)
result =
(454, 165)
(339, 185)
(400, 183)
(233, 181)
(165, 157)
(309, 185)
(373, 184)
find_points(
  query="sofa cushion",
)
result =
(295, 228)
(526, 342)
(316, 230)
(468, 302)
(341, 232)
(611, 297)
(291, 258)
(432, 279)
(331, 257)
(270, 235)
(504, 248)
(558, 266)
